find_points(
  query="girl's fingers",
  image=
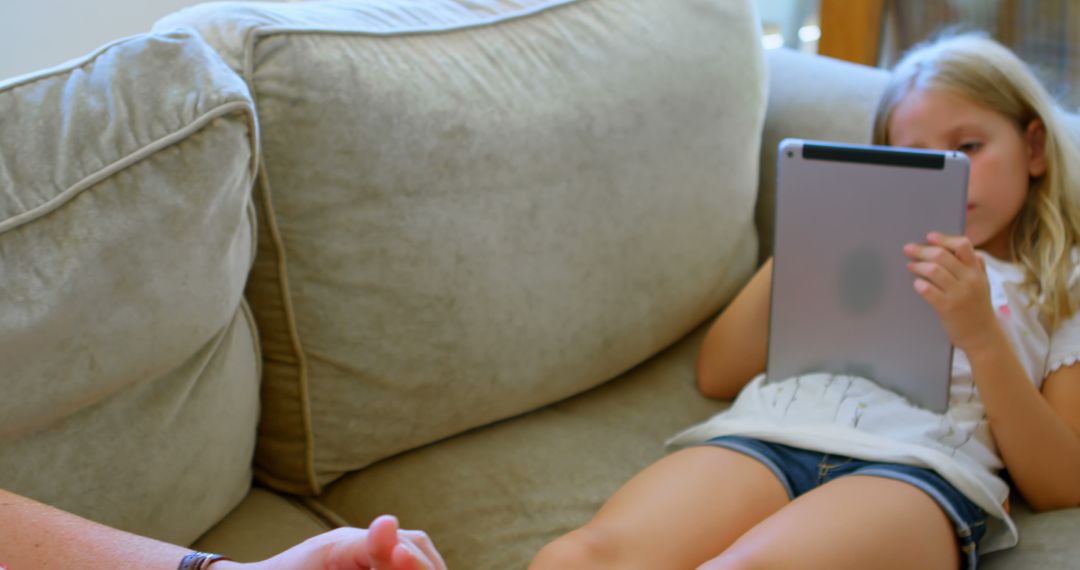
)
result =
(934, 254)
(960, 246)
(933, 273)
(928, 291)
(953, 254)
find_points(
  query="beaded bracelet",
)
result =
(199, 561)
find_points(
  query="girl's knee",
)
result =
(585, 548)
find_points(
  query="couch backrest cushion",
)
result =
(472, 209)
(128, 367)
(811, 97)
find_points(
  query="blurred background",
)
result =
(35, 34)
(1044, 33)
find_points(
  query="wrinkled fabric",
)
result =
(473, 209)
(128, 363)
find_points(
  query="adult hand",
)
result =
(381, 547)
(952, 279)
(393, 549)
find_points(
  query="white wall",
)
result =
(42, 33)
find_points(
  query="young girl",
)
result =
(829, 471)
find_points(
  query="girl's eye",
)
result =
(969, 147)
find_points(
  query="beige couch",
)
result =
(443, 258)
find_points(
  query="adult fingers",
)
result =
(423, 542)
(408, 557)
(382, 538)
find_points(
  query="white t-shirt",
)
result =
(847, 415)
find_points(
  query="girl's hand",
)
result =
(952, 278)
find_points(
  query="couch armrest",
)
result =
(811, 97)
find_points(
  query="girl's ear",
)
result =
(1036, 147)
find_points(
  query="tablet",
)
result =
(842, 296)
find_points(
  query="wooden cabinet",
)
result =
(851, 29)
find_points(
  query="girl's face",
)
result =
(1003, 157)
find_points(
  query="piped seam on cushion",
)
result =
(142, 153)
(254, 328)
(247, 72)
(256, 33)
(290, 322)
(253, 221)
(489, 21)
(263, 186)
(90, 58)
(324, 513)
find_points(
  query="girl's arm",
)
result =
(1038, 437)
(734, 348)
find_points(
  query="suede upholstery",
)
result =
(126, 236)
(795, 111)
(442, 181)
(503, 491)
(264, 524)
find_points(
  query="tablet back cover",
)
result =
(842, 297)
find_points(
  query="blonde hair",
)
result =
(987, 73)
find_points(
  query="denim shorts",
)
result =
(800, 470)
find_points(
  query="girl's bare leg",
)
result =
(676, 514)
(850, 522)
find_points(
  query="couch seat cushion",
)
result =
(262, 525)
(491, 498)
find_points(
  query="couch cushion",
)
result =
(261, 526)
(811, 97)
(491, 498)
(473, 209)
(1047, 541)
(130, 368)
